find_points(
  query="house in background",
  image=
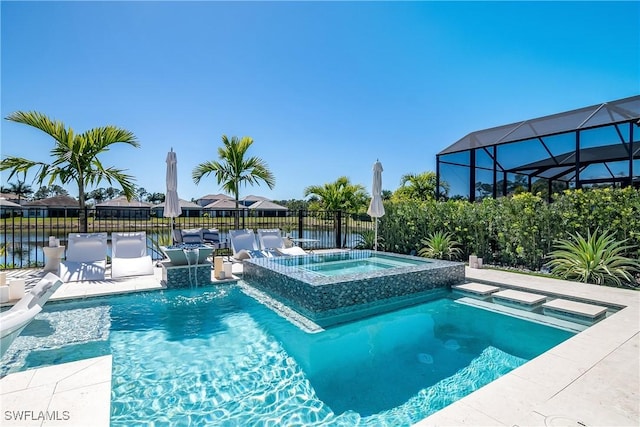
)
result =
(251, 199)
(268, 208)
(9, 208)
(12, 198)
(52, 207)
(120, 207)
(221, 205)
(189, 209)
(221, 208)
(211, 198)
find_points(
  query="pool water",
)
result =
(216, 356)
(360, 266)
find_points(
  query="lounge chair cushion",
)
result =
(86, 257)
(130, 255)
(87, 247)
(292, 251)
(128, 246)
(124, 267)
(193, 235)
(211, 235)
(243, 254)
(71, 271)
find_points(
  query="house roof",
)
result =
(267, 205)
(7, 204)
(122, 202)
(220, 205)
(55, 202)
(253, 198)
(184, 204)
(9, 196)
(218, 196)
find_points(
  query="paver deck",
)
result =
(524, 298)
(575, 307)
(477, 288)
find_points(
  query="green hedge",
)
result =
(516, 231)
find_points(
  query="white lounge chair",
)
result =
(271, 240)
(244, 245)
(14, 320)
(129, 255)
(191, 235)
(86, 257)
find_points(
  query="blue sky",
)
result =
(323, 88)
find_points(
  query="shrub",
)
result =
(595, 259)
(440, 245)
(366, 240)
(519, 230)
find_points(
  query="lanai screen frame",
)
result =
(549, 136)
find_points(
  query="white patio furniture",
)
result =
(86, 257)
(129, 255)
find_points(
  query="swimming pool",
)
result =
(216, 356)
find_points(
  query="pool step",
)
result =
(525, 300)
(477, 290)
(573, 310)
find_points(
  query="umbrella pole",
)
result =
(375, 242)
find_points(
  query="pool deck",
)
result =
(592, 378)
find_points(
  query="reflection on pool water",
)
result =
(216, 356)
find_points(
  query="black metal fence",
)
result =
(23, 236)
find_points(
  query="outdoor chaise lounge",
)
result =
(86, 257)
(14, 320)
(129, 255)
(271, 240)
(192, 235)
(244, 245)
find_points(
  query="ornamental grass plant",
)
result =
(597, 258)
(440, 245)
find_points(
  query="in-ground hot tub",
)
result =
(339, 287)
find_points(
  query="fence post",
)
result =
(85, 220)
(339, 229)
(300, 223)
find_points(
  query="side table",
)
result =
(53, 255)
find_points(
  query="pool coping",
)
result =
(594, 377)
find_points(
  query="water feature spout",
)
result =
(192, 255)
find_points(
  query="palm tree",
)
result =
(155, 198)
(420, 186)
(51, 191)
(20, 189)
(234, 169)
(340, 195)
(74, 157)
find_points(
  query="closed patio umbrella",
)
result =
(172, 207)
(376, 208)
